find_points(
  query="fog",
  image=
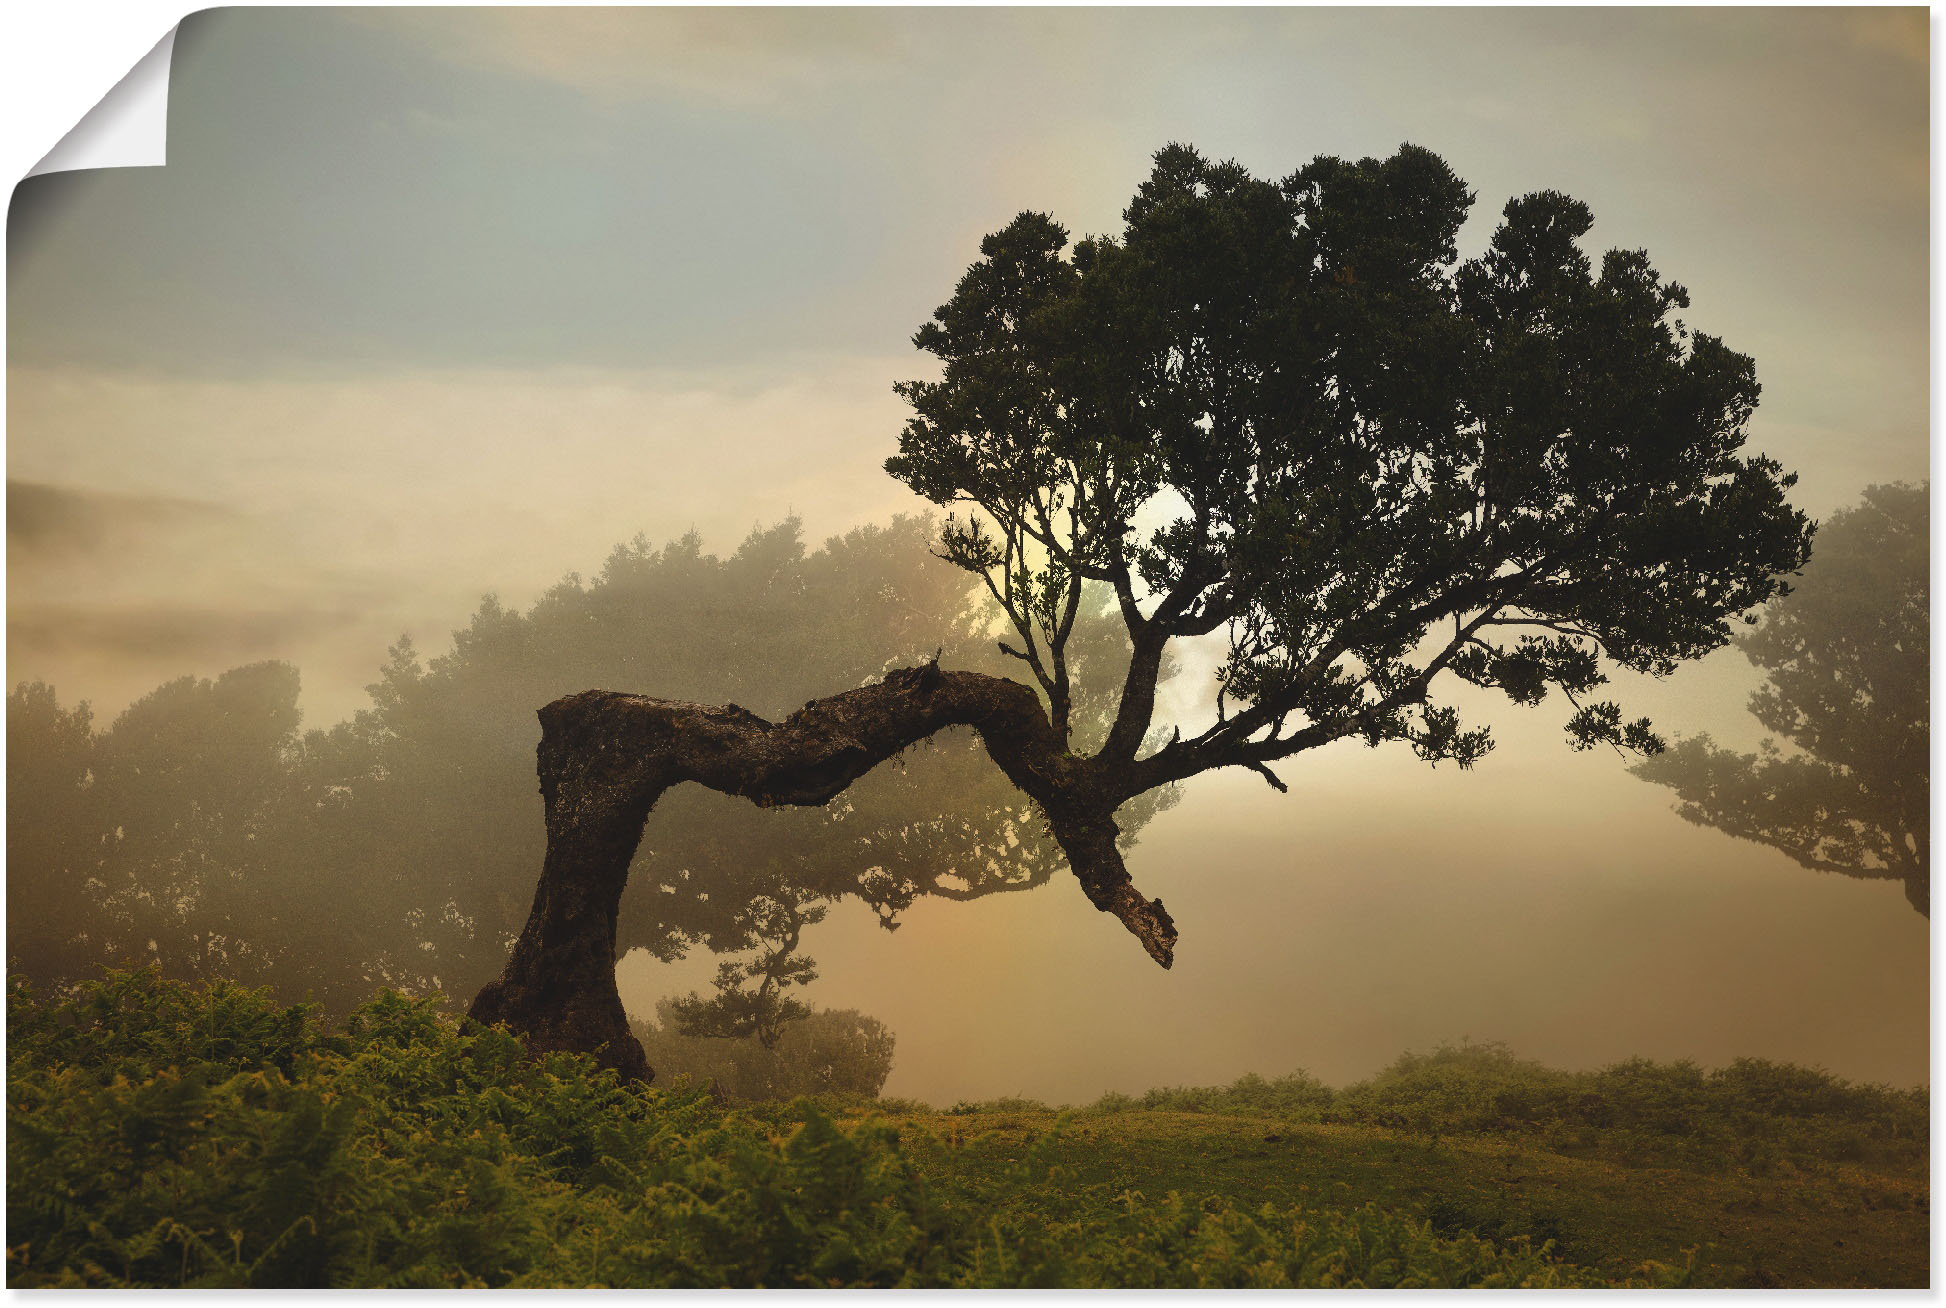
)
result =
(434, 304)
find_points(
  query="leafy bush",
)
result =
(164, 1135)
(895, 1106)
(1213, 1244)
(1750, 1113)
(1298, 1094)
(1456, 1088)
(831, 1052)
(1004, 1104)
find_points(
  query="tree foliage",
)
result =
(1288, 412)
(54, 888)
(162, 836)
(1846, 657)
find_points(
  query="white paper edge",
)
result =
(128, 128)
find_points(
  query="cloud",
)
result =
(738, 58)
(167, 633)
(47, 521)
(317, 519)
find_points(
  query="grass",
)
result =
(1756, 1174)
(1838, 1224)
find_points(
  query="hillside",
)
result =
(1801, 1224)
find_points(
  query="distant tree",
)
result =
(1846, 657)
(55, 912)
(1281, 411)
(158, 839)
(195, 774)
(826, 1051)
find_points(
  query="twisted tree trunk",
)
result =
(605, 758)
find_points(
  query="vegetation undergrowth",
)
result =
(161, 1134)
(1753, 1114)
(1756, 1174)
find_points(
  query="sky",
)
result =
(434, 303)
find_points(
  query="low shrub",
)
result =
(1750, 1114)
(829, 1052)
(1004, 1104)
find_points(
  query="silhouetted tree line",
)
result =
(205, 831)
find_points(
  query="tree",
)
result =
(1283, 411)
(151, 840)
(54, 908)
(1847, 661)
(195, 775)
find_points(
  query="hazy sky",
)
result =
(434, 302)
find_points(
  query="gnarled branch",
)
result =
(605, 758)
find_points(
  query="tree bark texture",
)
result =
(605, 758)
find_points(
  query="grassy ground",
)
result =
(1809, 1224)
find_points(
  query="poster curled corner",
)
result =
(128, 128)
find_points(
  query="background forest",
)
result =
(203, 831)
